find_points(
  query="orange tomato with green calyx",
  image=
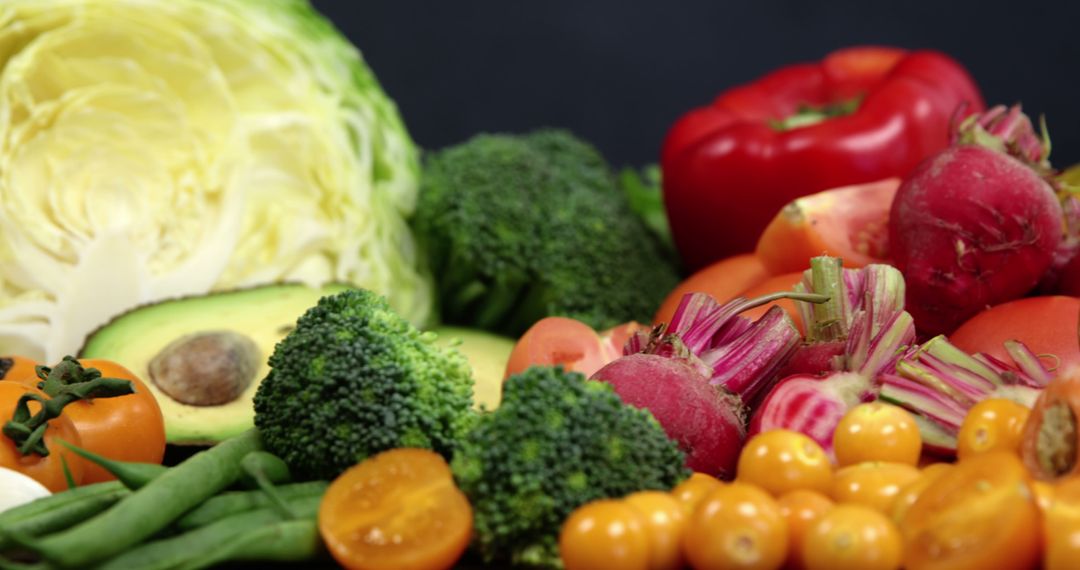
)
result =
(604, 534)
(877, 431)
(801, 509)
(851, 222)
(723, 280)
(980, 514)
(123, 428)
(15, 368)
(781, 460)
(398, 510)
(47, 469)
(875, 484)
(852, 537)
(736, 526)
(693, 490)
(994, 424)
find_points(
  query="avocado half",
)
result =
(487, 354)
(259, 317)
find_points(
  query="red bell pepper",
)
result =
(860, 115)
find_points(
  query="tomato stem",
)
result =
(65, 383)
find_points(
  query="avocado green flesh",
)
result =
(265, 314)
(487, 355)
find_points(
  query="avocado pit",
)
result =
(209, 368)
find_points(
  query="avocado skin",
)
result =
(264, 313)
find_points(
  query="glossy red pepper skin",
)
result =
(728, 169)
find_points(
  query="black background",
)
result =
(619, 73)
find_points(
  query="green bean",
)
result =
(132, 474)
(233, 502)
(168, 553)
(57, 512)
(150, 509)
(285, 541)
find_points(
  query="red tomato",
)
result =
(1047, 325)
(850, 222)
(570, 343)
(722, 280)
(49, 469)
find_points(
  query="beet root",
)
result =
(970, 228)
(704, 420)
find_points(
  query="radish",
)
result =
(696, 373)
(978, 223)
(878, 333)
(939, 383)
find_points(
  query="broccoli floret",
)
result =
(555, 442)
(354, 378)
(519, 227)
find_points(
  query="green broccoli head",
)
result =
(517, 228)
(354, 378)
(555, 442)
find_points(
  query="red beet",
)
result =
(975, 226)
(703, 419)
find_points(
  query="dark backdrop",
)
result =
(620, 72)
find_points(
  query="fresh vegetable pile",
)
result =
(875, 364)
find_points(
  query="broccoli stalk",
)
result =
(353, 379)
(517, 228)
(557, 441)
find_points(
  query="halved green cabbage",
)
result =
(156, 148)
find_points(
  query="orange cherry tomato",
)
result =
(722, 280)
(16, 368)
(781, 460)
(850, 222)
(910, 493)
(738, 526)
(1051, 439)
(852, 537)
(664, 523)
(398, 510)
(1061, 526)
(775, 284)
(992, 425)
(123, 428)
(800, 509)
(49, 469)
(696, 487)
(604, 534)
(1044, 494)
(875, 484)
(980, 514)
(877, 431)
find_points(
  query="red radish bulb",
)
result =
(976, 224)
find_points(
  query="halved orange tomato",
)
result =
(722, 280)
(850, 222)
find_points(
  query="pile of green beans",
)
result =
(183, 517)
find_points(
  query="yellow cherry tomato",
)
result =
(996, 424)
(781, 460)
(877, 431)
(852, 537)
(910, 492)
(695, 488)
(981, 514)
(1061, 525)
(664, 523)
(873, 483)
(738, 526)
(800, 509)
(1044, 494)
(604, 534)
